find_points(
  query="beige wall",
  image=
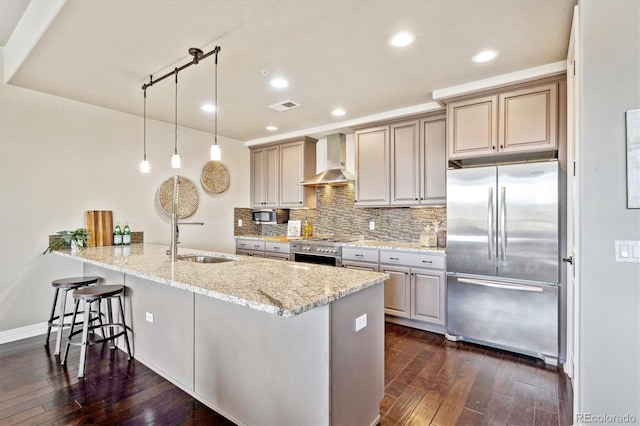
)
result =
(59, 158)
(609, 290)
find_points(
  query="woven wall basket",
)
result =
(187, 197)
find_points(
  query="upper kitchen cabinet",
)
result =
(372, 166)
(402, 164)
(511, 122)
(276, 173)
(265, 179)
(297, 162)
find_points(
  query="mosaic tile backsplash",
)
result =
(336, 214)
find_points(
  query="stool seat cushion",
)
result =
(74, 282)
(97, 291)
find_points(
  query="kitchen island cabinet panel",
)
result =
(307, 355)
(166, 344)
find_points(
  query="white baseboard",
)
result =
(23, 332)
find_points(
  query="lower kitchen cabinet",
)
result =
(249, 247)
(279, 251)
(428, 296)
(259, 248)
(361, 259)
(397, 291)
(415, 293)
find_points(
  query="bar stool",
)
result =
(64, 284)
(89, 295)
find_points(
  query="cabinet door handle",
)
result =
(359, 255)
(427, 261)
(493, 147)
(395, 259)
(257, 246)
(276, 248)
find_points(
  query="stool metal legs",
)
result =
(51, 317)
(85, 342)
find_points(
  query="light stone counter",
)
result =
(283, 288)
(395, 245)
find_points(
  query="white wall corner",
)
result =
(34, 23)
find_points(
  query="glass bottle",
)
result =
(126, 234)
(117, 235)
(307, 229)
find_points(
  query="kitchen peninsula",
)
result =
(258, 340)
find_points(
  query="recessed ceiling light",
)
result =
(401, 39)
(208, 107)
(279, 83)
(485, 56)
(338, 111)
(271, 128)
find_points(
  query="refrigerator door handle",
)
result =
(490, 223)
(496, 284)
(503, 223)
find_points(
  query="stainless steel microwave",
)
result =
(271, 216)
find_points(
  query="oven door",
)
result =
(318, 259)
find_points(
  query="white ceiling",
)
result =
(334, 53)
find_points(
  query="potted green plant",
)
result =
(76, 240)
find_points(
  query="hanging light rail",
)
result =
(197, 54)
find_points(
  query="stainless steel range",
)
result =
(319, 250)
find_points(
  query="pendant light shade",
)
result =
(215, 153)
(175, 158)
(144, 164)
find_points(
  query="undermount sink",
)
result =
(204, 259)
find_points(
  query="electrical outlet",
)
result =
(239, 223)
(372, 226)
(149, 316)
(361, 322)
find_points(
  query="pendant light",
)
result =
(175, 158)
(215, 148)
(144, 164)
(198, 55)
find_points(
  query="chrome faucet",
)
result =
(175, 231)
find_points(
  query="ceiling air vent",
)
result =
(283, 106)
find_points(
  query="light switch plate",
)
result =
(149, 316)
(627, 251)
(239, 223)
(372, 226)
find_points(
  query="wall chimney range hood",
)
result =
(336, 173)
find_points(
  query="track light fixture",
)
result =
(198, 55)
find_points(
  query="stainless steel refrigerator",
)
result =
(503, 257)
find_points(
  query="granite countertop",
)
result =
(395, 245)
(283, 288)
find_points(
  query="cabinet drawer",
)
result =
(254, 253)
(250, 245)
(412, 259)
(360, 255)
(277, 247)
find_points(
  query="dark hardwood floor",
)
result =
(432, 381)
(428, 381)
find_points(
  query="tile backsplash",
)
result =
(336, 214)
